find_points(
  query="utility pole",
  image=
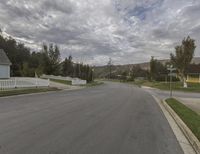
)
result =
(110, 67)
(170, 84)
(110, 71)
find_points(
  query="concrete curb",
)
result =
(40, 93)
(147, 87)
(186, 131)
(30, 94)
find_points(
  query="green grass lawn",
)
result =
(178, 86)
(190, 118)
(62, 81)
(192, 87)
(25, 91)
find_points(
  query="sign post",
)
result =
(171, 74)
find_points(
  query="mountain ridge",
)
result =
(101, 71)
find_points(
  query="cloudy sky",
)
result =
(129, 31)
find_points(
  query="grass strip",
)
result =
(190, 118)
(25, 91)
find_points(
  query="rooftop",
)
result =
(4, 58)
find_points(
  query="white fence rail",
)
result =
(75, 81)
(56, 77)
(21, 82)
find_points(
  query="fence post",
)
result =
(48, 83)
(36, 82)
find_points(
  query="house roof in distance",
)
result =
(4, 58)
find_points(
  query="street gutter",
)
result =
(186, 131)
(181, 138)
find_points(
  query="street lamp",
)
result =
(92, 74)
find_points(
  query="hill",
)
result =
(102, 71)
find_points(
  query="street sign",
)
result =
(172, 74)
(171, 69)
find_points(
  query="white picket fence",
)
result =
(23, 82)
(75, 81)
(44, 76)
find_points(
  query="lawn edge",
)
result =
(184, 128)
(175, 90)
(31, 93)
(98, 83)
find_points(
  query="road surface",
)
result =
(113, 118)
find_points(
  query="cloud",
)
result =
(59, 5)
(129, 31)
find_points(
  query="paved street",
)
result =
(113, 118)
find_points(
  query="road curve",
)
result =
(113, 118)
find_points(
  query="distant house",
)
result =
(193, 73)
(4, 65)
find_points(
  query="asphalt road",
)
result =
(112, 118)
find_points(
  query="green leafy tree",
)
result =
(183, 57)
(124, 75)
(153, 68)
(109, 65)
(16, 52)
(65, 67)
(47, 61)
(157, 70)
(71, 67)
(51, 59)
(90, 77)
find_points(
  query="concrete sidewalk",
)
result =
(192, 103)
(191, 100)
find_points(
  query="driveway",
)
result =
(113, 118)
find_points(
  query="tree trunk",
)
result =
(184, 82)
(182, 78)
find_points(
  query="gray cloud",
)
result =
(64, 6)
(92, 31)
